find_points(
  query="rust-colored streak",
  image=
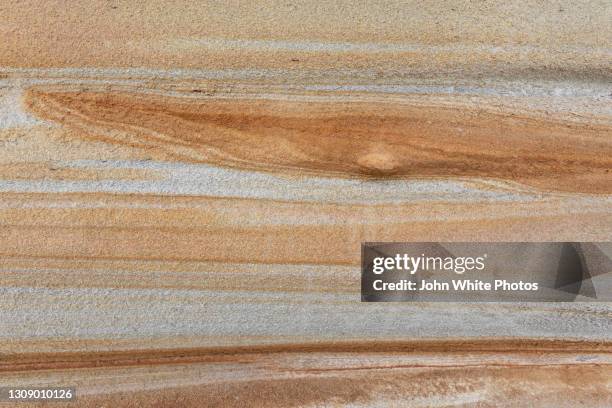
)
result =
(44, 361)
(342, 139)
(477, 372)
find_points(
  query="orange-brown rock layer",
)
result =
(450, 373)
(350, 139)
